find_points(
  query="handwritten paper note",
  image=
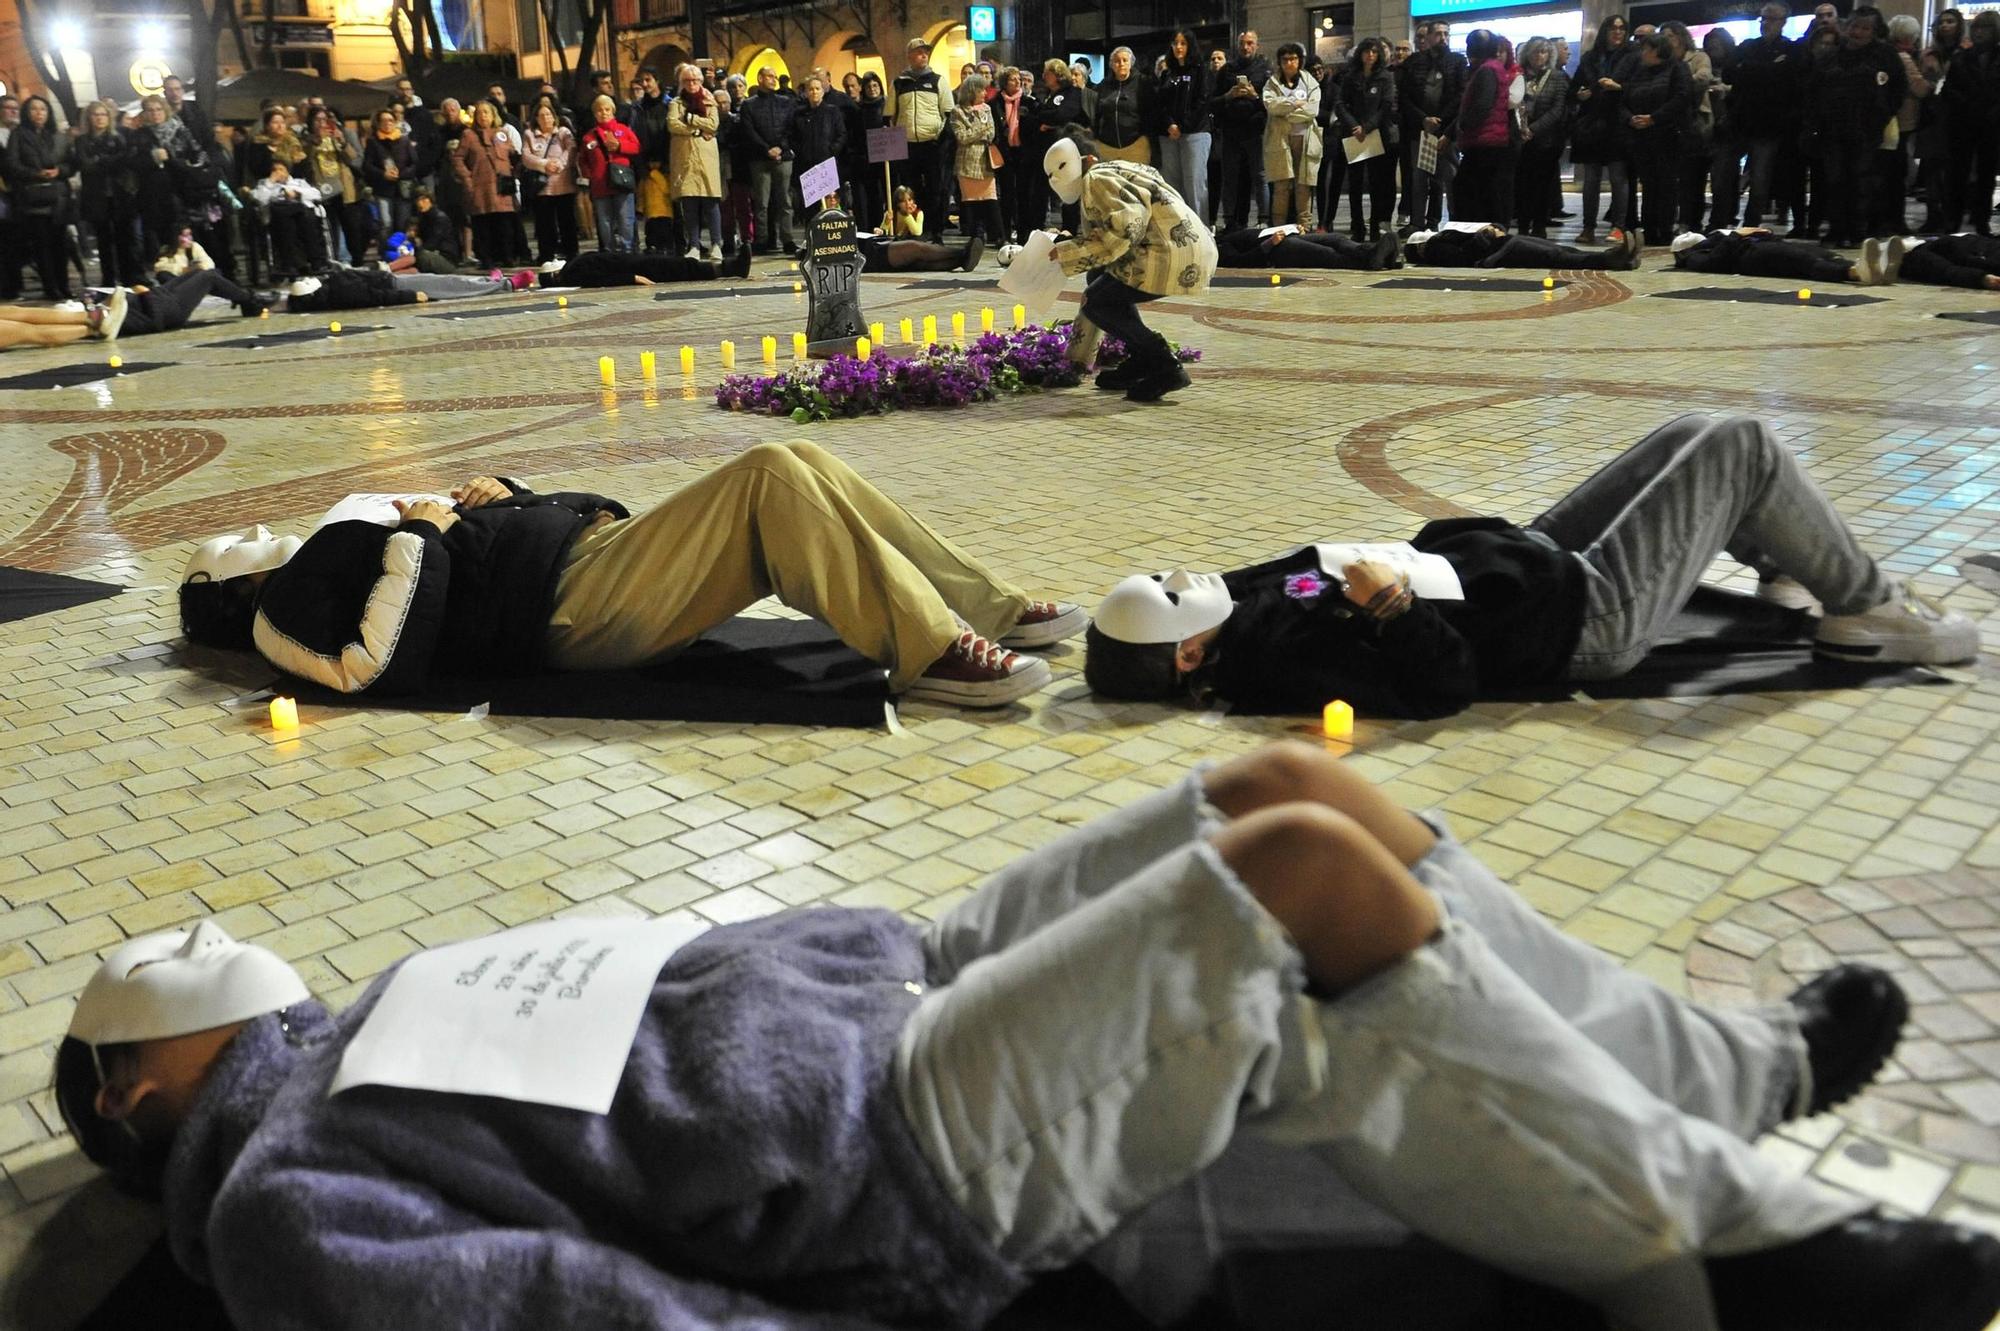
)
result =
(1034, 279)
(820, 181)
(1431, 576)
(545, 1013)
(376, 508)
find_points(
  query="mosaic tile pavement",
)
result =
(1725, 845)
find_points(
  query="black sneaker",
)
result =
(1387, 250)
(735, 265)
(1851, 1018)
(974, 249)
(1870, 1273)
(1120, 376)
(1156, 385)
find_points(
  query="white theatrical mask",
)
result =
(1064, 164)
(180, 982)
(1164, 607)
(252, 550)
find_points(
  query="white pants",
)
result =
(1109, 1010)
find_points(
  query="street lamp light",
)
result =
(152, 35)
(66, 35)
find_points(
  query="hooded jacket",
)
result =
(364, 607)
(754, 1169)
(919, 103)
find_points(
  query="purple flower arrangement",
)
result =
(939, 376)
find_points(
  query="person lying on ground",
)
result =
(506, 581)
(1479, 245)
(606, 268)
(1292, 246)
(1582, 593)
(1756, 251)
(42, 326)
(839, 1118)
(1970, 260)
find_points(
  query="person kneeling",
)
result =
(506, 581)
(1581, 593)
(841, 1118)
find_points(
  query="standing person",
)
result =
(389, 164)
(1766, 80)
(163, 152)
(871, 196)
(656, 195)
(696, 163)
(1697, 128)
(1058, 105)
(13, 244)
(484, 167)
(1657, 95)
(1538, 181)
(1364, 104)
(1940, 181)
(1238, 107)
(1013, 135)
(38, 165)
(333, 165)
(1139, 241)
(549, 149)
(1217, 60)
(451, 121)
(1431, 86)
(1892, 162)
(108, 200)
(1292, 138)
(1123, 120)
(1972, 89)
(973, 151)
(1725, 162)
(1856, 92)
(766, 121)
(607, 154)
(819, 131)
(739, 219)
(1484, 190)
(1079, 77)
(1183, 120)
(920, 105)
(1597, 135)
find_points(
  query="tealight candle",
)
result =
(930, 329)
(770, 350)
(798, 346)
(1548, 284)
(607, 371)
(875, 334)
(798, 287)
(1338, 720)
(904, 329)
(263, 314)
(1274, 279)
(284, 714)
(728, 355)
(1805, 293)
(117, 361)
(333, 327)
(687, 360)
(1020, 317)
(958, 325)
(562, 302)
(648, 364)
(986, 320)
(863, 348)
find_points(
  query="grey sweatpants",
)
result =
(1109, 1010)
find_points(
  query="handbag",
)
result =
(620, 178)
(994, 157)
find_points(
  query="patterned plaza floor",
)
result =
(1727, 845)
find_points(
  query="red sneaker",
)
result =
(976, 673)
(1045, 623)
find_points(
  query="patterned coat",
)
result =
(1139, 230)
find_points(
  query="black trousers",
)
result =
(490, 238)
(1534, 252)
(1954, 261)
(1537, 182)
(297, 243)
(599, 269)
(1114, 307)
(555, 227)
(167, 305)
(1377, 178)
(1016, 220)
(116, 226)
(1242, 179)
(1242, 249)
(1655, 169)
(45, 235)
(1789, 259)
(1846, 170)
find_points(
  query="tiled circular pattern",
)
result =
(1938, 934)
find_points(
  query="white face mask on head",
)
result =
(252, 550)
(1164, 607)
(1064, 164)
(180, 982)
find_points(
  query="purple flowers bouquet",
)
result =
(939, 376)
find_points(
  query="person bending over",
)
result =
(1755, 251)
(613, 268)
(506, 581)
(840, 1118)
(1971, 261)
(1476, 245)
(1139, 241)
(40, 326)
(1292, 246)
(298, 237)
(1581, 593)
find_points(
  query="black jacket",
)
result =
(1666, 93)
(1431, 83)
(1048, 113)
(363, 607)
(29, 153)
(1763, 79)
(1124, 111)
(649, 122)
(1294, 641)
(1240, 119)
(766, 123)
(1855, 92)
(1366, 101)
(1972, 95)
(1181, 97)
(434, 230)
(105, 163)
(818, 133)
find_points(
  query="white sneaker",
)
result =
(1873, 263)
(1908, 628)
(1892, 264)
(710, 254)
(1787, 592)
(976, 673)
(692, 253)
(114, 315)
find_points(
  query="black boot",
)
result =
(1866, 1274)
(1851, 1018)
(1157, 375)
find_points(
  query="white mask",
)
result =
(252, 550)
(180, 982)
(1164, 607)
(1064, 164)
(1687, 240)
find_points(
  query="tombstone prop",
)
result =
(833, 285)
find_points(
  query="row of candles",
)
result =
(864, 347)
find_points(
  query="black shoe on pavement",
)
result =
(1870, 1273)
(974, 250)
(1157, 384)
(1120, 376)
(737, 264)
(1851, 1018)
(1387, 250)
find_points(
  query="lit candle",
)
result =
(333, 327)
(648, 364)
(728, 355)
(263, 314)
(798, 346)
(1805, 293)
(958, 325)
(798, 287)
(930, 329)
(770, 350)
(1274, 279)
(687, 360)
(562, 302)
(1020, 317)
(986, 319)
(607, 372)
(117, 361)
(1338, 720)
(875, 334)
(904, 329)
(1548, 284)
(863, 348)
(284, 714)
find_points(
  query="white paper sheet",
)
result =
(376, 508)
(545, 1013)
(1287, 229)
(818, 181)
(1034, 279)
(1431, 576)
(1360, 150)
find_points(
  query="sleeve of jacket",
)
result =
(1115, 217)
(583, 503)
(389, 647)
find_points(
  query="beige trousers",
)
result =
(785, 520)
(1140, 150)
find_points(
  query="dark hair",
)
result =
(136, 1165)
(872, 77)
(1657, 43)
(1482, 44)
(1133, 671)
(1292, 48)
(1086, 142)
(1673, 27)
(1377, 45)
(1603, 42)
(1194, 55)
(219, 614)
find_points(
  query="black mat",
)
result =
(749, 671)
(1464, 284)
(702, 291)
(1835, 299)
(1238, 280)
(24, 593)
(320, 334)
(951, 284)
(69, 376)
(1725, 642)
(495, 311)
(1974, 316)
